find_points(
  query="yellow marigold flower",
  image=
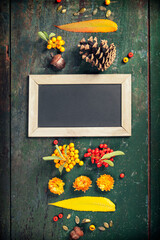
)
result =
(105, 182)
(55, 185)
(82, 183)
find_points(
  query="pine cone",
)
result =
(100, 56)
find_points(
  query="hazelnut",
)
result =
(58, 62)
(74, 235)
(78, 231)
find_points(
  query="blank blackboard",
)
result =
(79, 105)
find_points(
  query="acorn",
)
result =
(58, 62)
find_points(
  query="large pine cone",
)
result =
(100, 56)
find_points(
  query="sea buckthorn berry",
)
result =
(107, 2)
(68, 169)
(60, 215)
(69, 161)
(72, 158)
(59, 38)
(89, 150)
(58, 46)
(71, 166)
(92, 227)
(54, 39)
(76, 156)
(60, 147)
(64, 146)
(54, 45)
(77, 160)
(125, 59)
(71, 145)
(57, 165)
(61, 42)
(71, 154)
(72, 149)
(55, 151)
(76, 151)
(49, 46)
(130, 54)
(62, 49)
(74, 163)
(56, 160)
(101, 145)
(55, 218)
(66, 165)
(50, 42)
(122, 175)
(81, 163)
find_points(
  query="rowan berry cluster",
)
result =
(97, 153)
(71, 156)
(56, 43)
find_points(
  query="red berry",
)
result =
(92, 159)
(60, 215)
(111, 150)
(101, 145)
(104, 145)
(85, 155)
(111, 159)
(104, 150)
(102, 154)
(96, 161)
(106, 164)
(122, 175)
(89, 150)
(55, 142)
(55, 218)
(130, 54)
(108, 149)
(93, 151)
(88, 154)
(99, 165)
(58, 1)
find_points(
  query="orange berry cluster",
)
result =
(71, 159)
(56, 43)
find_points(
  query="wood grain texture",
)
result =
(31, 215)
(4, 122)
(155, 114)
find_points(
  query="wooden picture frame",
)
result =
(123, 79)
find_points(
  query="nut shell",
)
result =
(58, 62)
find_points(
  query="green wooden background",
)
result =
(24, 211)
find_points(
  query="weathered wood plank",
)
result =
(31, 216)
(155, 114)
(4, 122)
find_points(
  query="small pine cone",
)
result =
(101, 56)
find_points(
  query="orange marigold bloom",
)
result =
(105, 182)
(82, 183)
(55, 185)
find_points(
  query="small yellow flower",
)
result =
(82, 183)
(55, 185)
(105, 182)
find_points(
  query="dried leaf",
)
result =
(43, 36)
(77, 220)
(86, 220)
(68, 216)
(111, 223)
(95, 11)
(102, 8)
(82, 10)
(59, 8)
(101, 228)
(106, 225)
(65, 228)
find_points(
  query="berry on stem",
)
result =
(55, 142)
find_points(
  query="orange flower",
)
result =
(105, 182)
(55, 185)
(82, 183)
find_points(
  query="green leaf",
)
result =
(42, 35)
(52, 158)
(51, 35)
(59, 151)
(109, 162)
(113, 154)
(46, 34)
(61, 168)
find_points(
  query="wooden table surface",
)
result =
(24, 210)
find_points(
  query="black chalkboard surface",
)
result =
(79, 105)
